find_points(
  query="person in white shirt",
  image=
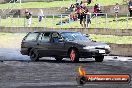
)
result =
(28, 15)
(116, 10)
(40, 15)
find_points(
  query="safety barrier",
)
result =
(98, 20)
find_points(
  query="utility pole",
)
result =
(14, 1)
(20, 1)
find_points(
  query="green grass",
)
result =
(107, 2)
(64, 3)
(51, 23)
(112, 39)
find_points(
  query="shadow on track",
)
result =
(47, 60)
(64, 61)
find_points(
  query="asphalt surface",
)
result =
(17, 71)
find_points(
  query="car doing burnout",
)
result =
(62, 44)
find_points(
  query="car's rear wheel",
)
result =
(34, 56)
(99, 58)
(58, 58)
(74, 55)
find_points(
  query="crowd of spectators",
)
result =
(80, 11)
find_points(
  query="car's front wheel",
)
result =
(34, 56)
(99, 58)
(74, 55)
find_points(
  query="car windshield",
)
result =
(71, 36)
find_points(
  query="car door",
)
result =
(44, 45)
(57, 46)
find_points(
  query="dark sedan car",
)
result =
(62, 44)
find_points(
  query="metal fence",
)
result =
(99, 20)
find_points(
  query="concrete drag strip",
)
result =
(12, 55)
(65, 85)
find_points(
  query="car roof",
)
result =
(59, 31)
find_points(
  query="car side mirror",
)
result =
(86, 35)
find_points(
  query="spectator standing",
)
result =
(98, 8)
(88, 19)
(83, 13)
(95, 8)
(130, 7)
(116, 10)
(40, 15)
(28, 17)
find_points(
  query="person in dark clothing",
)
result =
(98, 8)
(87, 17)
(130, 7)
(95, 8)
(83, 13)
(82, 18)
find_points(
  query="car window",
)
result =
(71, 36)
(45, 37)
(31, 37)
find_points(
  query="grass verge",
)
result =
(64, 3)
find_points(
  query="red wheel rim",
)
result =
(72, 55)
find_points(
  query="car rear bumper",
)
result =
(93, 53)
